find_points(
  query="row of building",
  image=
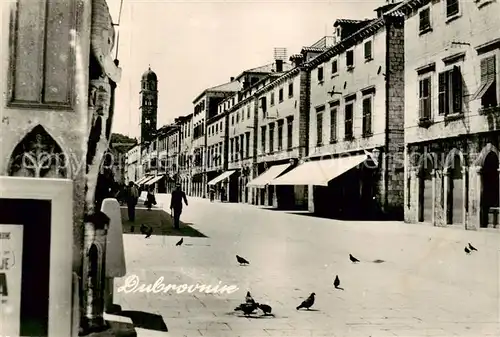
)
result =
(392, 117)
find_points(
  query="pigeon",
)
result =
(466, 250)
(248, 298)
(336, 283)
(146, 230)
(266, 309)
(307, 303)
(249, 308)
(180, 242)
(353, 259)
(471, 247)
(241, 260)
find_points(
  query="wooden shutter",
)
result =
(421, 99)
(457, 90)
(443, 93)
(368, 50)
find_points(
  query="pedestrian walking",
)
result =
(222, 194)
(131, 197)
(212, 193)
(150, 198)
(178, 196)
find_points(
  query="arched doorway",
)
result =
(490, 189)
(455, 191)
(426, 198)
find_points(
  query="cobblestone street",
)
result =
(426, 286)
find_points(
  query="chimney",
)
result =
(279, 66)
(232, 78)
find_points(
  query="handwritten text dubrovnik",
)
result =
(132, 285)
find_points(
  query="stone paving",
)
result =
(426, 286)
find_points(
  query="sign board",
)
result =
(11, 259)
(36, 253)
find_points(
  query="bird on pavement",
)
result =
(336, 283)
(146, 230)
(466, 250)
(248, 308)
(471, 247)
(249, 298)
(307, 303)
(266, 309)
(180, 242)
(353, 259)
(241, 260)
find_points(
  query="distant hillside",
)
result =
(122, 143)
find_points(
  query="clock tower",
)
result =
(148, 106)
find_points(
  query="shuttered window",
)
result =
(450, 91)
(425, 98)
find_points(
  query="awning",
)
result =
(152, 181)
(483, 88)
(266, 177)
(220, 178)
(145, 182)
(319, 172)
(143, 179)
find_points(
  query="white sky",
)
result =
(193, 45)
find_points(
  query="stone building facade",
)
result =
(452, 96)
(58, 80)
(355, 121)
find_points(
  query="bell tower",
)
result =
(148, 105)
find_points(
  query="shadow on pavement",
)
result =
(160, 221)
(145, 320)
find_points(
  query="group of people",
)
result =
(213, 191)
(130, 196)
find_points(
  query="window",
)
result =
(320, 74)
(319, 125)
(333, 121)
(425, 20)
(290, 90)
(216, 128)
(425, 98)
(247, 146)
(242, 144)
(242, 114)
(452, 8)
(237, 116)
(280, 95)
(349, 58)
(450, 91)
(349, 107)
(236, 148)
(487, 91)
(248, 112)
(280, 135)
(334, 67)
(271, 137)
(231, 150)
(263, 139)
(289, 132)
(263, 105)
(272, 99)
(368, 51)
(367, 116)
(232, 120)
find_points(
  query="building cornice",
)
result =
(278, 81)
(366, 31)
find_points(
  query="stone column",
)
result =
(434, 199)
(465, 195)
(475, 195)
(446, 197)
(310, 198)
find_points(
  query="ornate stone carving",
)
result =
(38, 155)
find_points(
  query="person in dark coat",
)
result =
(178, 196)
(131, 197)
(150, 199)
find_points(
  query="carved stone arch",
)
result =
(450, 159)
(422, 163)
(38, 155)
(484, 153)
